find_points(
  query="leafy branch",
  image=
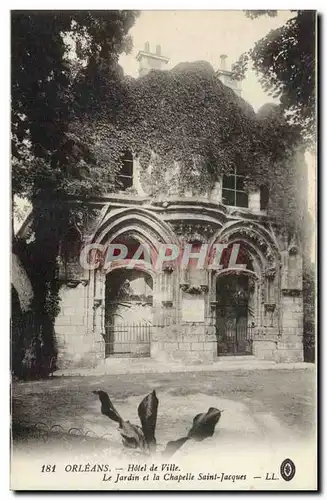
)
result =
(285, 62)
(143, 438)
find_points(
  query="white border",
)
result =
(5, 179)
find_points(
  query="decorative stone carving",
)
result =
(97, 303)
(269, 313)
(167, 303)
(270, 272)
(270, 307)
(189, 232)
(249, 232)
(291, 293)
(194, 289)
(293, 247)
(168, 269)
(75, 283)
(293, 250)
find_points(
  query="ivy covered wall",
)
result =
(186, 129)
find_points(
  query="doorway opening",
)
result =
(128, 313)
(234, 315)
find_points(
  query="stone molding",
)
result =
(291, 292)
(194, 289)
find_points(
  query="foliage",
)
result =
(309, 312)
(147, 412)
(285, 62)
(184, 124)
(183, 117)
(132, 435)
(180, 115)
(54, 57)
(33, 355)
(253, 14)
(143, 438)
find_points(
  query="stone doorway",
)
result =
(128, 313)
(234, 315)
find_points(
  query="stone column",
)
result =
(196, 340)
(290, 345)
(254, 201)
(216, 193)
(98, 343)
(136, 178)
(165, 331)
(266, 330)
(71, 325)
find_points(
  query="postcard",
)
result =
(163, 277)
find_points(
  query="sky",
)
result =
(190, 35)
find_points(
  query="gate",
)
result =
(234, 336)
(128, 340)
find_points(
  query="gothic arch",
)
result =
(256, 239)
(140, 224)
(151, 271)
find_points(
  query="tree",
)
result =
(57, 56)
(49, 48)
(285, 63)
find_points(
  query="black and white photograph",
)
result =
(163, 250)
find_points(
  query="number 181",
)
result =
(48, 468)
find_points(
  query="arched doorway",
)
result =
(128, 313)
(236, 306)
(234, 314)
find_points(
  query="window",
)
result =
(264, 197)
(233, 190)
(125, 176)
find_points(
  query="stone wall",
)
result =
(290, 344)
(265, 344)
(192, 342)
(183, 300)
(75, 343)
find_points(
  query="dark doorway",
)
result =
(233, 315)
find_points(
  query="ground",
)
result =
(268, 405)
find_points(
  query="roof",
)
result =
(142, 53)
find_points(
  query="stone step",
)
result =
(230, 359)
(125, 369)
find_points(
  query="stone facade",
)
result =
(189, 315)
(184, 324)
